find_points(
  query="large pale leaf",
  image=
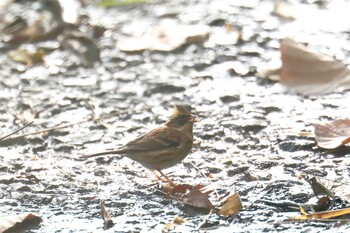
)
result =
(332, 134)
(309, 72)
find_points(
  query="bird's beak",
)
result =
(193, 119)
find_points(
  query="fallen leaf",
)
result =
(166, 38)
(195, 196)
(176, 221)
(231, 205)
(309, 72)
(14, 222)
(107, 220)
(182, 188)
(332, 134)
(25, 57)
(198, 199)
(323, 214)
(319, 188)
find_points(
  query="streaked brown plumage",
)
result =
(162, 147)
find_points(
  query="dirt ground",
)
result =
(247, 138)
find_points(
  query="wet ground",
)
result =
(247, 138)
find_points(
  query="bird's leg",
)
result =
(166, 178)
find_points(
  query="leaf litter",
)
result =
(244, 147)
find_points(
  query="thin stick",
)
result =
(200, 171)
(16, 131)
(45, 130)
(204, 220)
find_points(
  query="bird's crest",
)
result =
(181, 110)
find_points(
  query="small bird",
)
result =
(162, 147)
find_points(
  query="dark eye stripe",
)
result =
(178, 121)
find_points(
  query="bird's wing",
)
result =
(157, 139)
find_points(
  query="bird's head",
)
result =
(181, 118)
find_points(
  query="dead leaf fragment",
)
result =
(309, 72)
(195, 196)
(21, 220)
(231, 205)
(332, 134)
(319, 188)
(166, 38)
(323, 214)
(25, 57)
(175, 222)
(198, 199)
(107, 220)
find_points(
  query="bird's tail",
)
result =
(111, 152)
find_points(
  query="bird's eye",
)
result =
(183, 118)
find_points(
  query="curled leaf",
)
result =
(332, 134)
(231, 205)
(319, 188)
(309, 72)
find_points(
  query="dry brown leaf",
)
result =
(323, 215)
(332, 134)
(319, 188)
(166, 38)
(231, 205)
(309, 72)
(21, 220)
(107, 220)
(197, 198)
(194, 196)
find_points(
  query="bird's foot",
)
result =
(164, 178)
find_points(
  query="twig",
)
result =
(204, 220)
(69, 176)
(44, 130)
(211, 183)
(16, 131)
